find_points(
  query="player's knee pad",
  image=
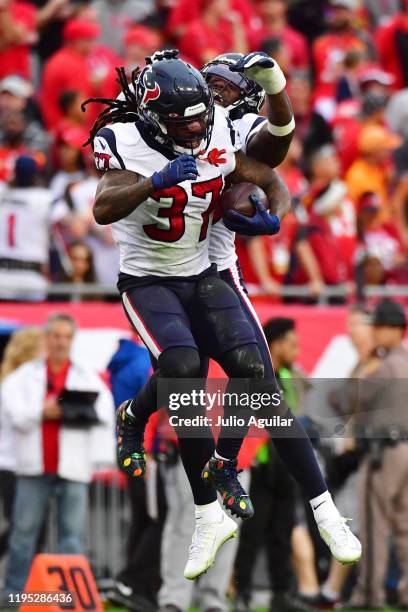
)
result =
(180, 362)
(213, 292)
(223, 316)
(243, 362)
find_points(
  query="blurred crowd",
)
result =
(347, 71)
(59, 447)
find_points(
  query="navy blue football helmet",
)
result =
(252, 96)
(175, 102)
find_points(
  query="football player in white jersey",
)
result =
(165, 156)
(268, 140)
(25, 222)
(238, 83)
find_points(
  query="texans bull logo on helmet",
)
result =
(152, 89)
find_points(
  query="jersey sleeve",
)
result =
(107, 156)
(247, 126)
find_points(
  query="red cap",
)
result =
(374, 73)
(369, 201)
(73, 136)
(77, 29)
(143, 36)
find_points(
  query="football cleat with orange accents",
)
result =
(223, 475)
(130, 451)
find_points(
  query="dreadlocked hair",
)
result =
(116, 111)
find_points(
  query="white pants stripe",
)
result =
(140, 327)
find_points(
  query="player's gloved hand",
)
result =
(262, 69)
(261, 224)
(184, 168)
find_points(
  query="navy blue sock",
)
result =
(145, 403)
(194, 451)
(296, 451)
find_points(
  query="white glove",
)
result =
(262, 69)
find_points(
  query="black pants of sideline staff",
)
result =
(142, 569)
(273, 495)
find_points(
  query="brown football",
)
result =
(237, 198)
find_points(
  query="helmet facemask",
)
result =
(251, 96)
(189, 134)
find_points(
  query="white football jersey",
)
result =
(24, 234)
(222, 240)
(168, 234)
(24, 223)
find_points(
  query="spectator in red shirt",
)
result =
(290, 169)
(139, 42)
(16, 95)
(316, 258)
(311, 127)
(329, 51)
(70, 104)
(101, 64)
(186, 11)
(265, 260)
(17, 34)
(328, 197)
(51, 18)
(218, 30)
(53, 459)
(392, 44)
(380, 254)
(68, 69)
(350, 119)
(13, 128)
(324, 244)
(275, 24)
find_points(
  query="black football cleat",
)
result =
(223, 476)
(288, 602)
(130, 451)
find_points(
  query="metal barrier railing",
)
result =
(106, 531)
(107, 526)
(76, 292)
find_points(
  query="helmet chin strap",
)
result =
(227, 109)
(179, 148)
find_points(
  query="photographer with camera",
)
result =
(60, 412)
(382, 422)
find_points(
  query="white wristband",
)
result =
(278, 81)
(281, 130)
